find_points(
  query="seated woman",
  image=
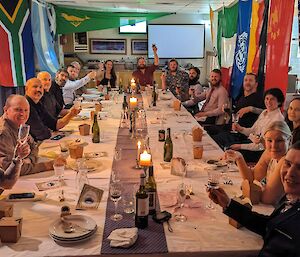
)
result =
(293, 119)
(10, 176)
(252, 149)
(280, 230)
(106, 74)
(277, 138)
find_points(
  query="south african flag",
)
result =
(16, 44)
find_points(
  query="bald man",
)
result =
(40, 121)
(16, 113)
(48, 100)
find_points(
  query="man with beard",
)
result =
(144, 74)
(72, 84)
(195, 90)
(248, 106)
(216, 96)
(48, 100)
(176, 80)
(40, 121)
(57, 85)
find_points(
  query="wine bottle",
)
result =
(120, 86)
(168, 147)
(151, 191)
(125, 104)
(108, 86)
(96, 130)
(142, 205)
(154, 96)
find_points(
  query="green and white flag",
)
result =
(226, 40)
(70, 20)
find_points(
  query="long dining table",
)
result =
(206, 232)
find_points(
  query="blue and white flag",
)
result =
(241, 49)
(42, 38)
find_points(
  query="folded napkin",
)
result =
(123, 237)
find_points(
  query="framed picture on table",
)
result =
(108, 46)
(139, 46)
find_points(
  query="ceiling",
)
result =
(174, 6)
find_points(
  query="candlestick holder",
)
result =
(137, 165)
(133, 123)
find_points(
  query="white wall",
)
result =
(170, 19)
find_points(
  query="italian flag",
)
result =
(224, 29)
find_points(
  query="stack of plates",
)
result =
(84, 228)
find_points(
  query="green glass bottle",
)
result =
(168, 147)
(151, 190)
(125, 104)
(154, 96)
(142, 205)
(96, 130)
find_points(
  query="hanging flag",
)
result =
(258, 65)
(278, 44)
(16, 45)
(214, 64)
(226, 40)
(70, 20)
(241, 48)
(299, 24)
(42, 38)
(253, 40)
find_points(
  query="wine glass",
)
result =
(118, 154)
(229, 159)
(23, 133)
(115, 192)
(181, 196)
(235, 120)
(59, 170)
(81, 176)
(212, 183)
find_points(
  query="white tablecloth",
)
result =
(205, 230)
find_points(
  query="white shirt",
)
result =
(71, 86)
(260, 126)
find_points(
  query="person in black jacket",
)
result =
(280, 230)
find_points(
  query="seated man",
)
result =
(281, 229)
(48, 100)
(57, 85)
(176, 80)
(144, 74)
(248, 106)
(195, 90)
(16, 112)
(9, 176)
(73, 84)
(40, 121)
(216, 96)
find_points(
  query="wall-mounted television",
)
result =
(137, 28)
(181, 41)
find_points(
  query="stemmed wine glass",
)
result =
(212, 183)
(235, 120)
(23, 134)
(229, 159)
(181, 196)
(115, 192)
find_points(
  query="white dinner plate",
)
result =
(73, 241)
(85, 222)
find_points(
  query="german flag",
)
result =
(16, 44)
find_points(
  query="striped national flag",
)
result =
(16, 44)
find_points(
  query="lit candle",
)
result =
(145, 159)
(138, 150)
(133, 102)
